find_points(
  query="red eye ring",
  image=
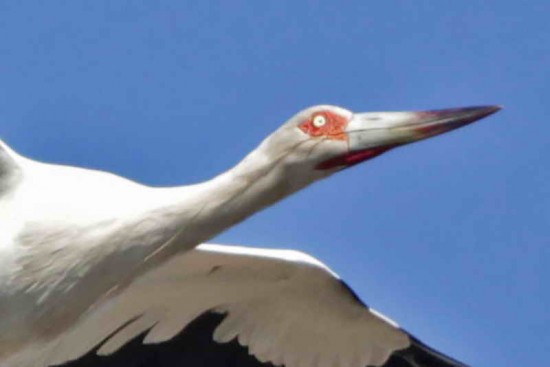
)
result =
(325, 124)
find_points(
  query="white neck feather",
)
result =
(207, 209)
(75, 259)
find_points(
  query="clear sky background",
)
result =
(449, 237)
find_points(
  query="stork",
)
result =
(93, 265)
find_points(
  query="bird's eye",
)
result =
(325, 124)
(319, 121)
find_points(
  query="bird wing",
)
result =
(9, 167)
(236, 306)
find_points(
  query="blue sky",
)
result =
(449, 236)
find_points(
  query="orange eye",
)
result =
(325, 124)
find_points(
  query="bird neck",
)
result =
(209, 208)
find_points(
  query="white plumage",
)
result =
(286, 307)
(85, 254)
(274, 302)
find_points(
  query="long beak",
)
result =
(369, 130)
(371, 134)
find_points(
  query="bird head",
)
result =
(321, 140)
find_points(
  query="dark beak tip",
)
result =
(473, 113)
(484, 111)
(479, 109)
(490, 109)
(453, 118)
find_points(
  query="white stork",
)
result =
(94, 269)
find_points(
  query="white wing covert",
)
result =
(235, 306)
